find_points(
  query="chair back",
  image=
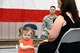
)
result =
(72, 35)
(33, 26)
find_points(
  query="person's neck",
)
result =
(70, 16)
(52, 14)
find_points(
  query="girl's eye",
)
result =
(24, 34)
(28, 35)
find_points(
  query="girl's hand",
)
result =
(32, 47)
(35, 45)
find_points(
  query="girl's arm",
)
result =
(25, 47)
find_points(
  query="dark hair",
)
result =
(53, 7)
(70, 6)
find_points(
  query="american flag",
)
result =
(16, 13)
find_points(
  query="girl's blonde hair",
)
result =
(21, 29)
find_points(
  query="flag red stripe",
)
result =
(23, 15)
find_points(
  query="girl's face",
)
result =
(26, 35)
(59, 3)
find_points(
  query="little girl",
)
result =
(26, 42)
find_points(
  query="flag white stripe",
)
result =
(10, 30)
(28, 4)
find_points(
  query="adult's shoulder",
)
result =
(45, 17)
(60, 18)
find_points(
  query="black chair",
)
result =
(33, 26)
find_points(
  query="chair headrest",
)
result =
(33, 26)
